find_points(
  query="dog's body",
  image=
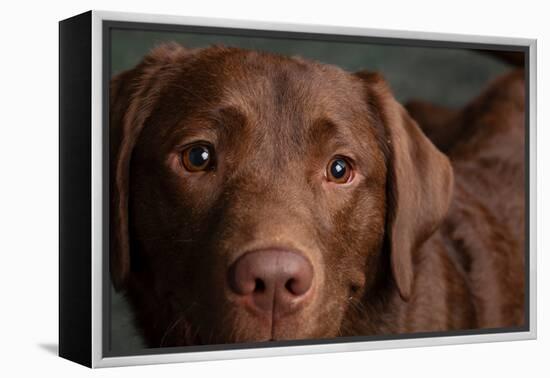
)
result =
(266, 239)
(470, 273)
(484, 232)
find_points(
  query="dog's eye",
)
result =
(197, 158)
(339, 171)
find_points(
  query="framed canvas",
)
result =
(234, 189)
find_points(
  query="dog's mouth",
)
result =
(270, 296)
(184, 332)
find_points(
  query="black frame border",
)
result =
(75, 189)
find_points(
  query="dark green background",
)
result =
(444, 76)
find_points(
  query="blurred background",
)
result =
(443, 76)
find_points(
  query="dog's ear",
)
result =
(419, 184)
(133, 94)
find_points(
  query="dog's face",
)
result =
(254, 197)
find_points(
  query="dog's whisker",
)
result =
(170, 329)
(175, 323)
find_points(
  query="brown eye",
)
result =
(339, 171)
(197, 158)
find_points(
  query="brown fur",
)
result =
(402, 248)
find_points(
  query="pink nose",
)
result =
(272, 281)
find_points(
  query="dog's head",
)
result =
(258, 197)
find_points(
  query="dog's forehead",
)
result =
(264, 83)
(274, 96)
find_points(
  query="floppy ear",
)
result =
(133, 94)
(419, 185)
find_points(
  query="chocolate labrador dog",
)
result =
(257, 197)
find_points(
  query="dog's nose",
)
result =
(272, 281)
